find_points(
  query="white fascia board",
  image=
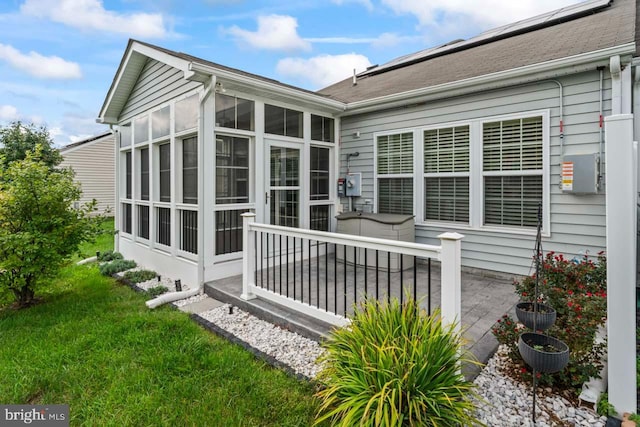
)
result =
(542, 70)
(149, 52)
(288, 92)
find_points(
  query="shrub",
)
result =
(140, 276)
(156, 290)
(576, 289)
(39, 228)
(394, 365)
(116, 266)
(107, 256)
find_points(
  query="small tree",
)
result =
(17, 139)
(39, 228)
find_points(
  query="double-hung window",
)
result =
(512, 159)
(394, 171)
(446, 174)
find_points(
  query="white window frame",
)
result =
(476, 174)
(412, 175)
(421, 219)
(545, 172)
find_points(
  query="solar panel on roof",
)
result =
(550, 18)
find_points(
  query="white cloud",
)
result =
(323, 70)
(484, 13)
(365, 3)
(8, 113)
(384, 40)
(275, 32)
(44, 67)
(91, 15)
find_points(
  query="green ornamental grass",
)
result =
(116, 266)
(139, 276)
(395, 366)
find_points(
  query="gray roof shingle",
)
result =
(609, 27)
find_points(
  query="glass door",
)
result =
(284, 186)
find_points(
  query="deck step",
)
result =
(278, 315)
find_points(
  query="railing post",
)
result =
(450, 278)
(248, 255)
(621, 197)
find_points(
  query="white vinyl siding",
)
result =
(446, 178)
(573, 224)
(395, 173)
(157, 83)
(94, 167)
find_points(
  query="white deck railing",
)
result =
(448, 253)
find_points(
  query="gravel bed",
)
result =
(167, 282)
(294, 350)
(508, 403)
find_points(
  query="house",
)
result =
(470, 136)
(93, 162)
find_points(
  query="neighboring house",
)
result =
(93, 162)
(470, 137)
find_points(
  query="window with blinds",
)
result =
(512, 167)
(395, 173)
(446, 171)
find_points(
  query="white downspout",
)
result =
(616, 85)
(116, 207)
(175, 296)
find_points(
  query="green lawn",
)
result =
(93, 344)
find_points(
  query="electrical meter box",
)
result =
(353, 185)
(579, 173)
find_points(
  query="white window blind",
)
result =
(447, 199)
(395, 195)
(446, 150)
(513, 168)
(395, 154)
(446, 167)
(395, 173)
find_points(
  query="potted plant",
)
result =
(543, 353)
(536, 316)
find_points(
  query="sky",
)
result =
(59, 57)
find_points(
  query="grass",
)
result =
(104, 241)
(94, 345)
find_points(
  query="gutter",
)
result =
(316, 99)
(549, 69)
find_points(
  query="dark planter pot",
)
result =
(540, 360)
(546, 315)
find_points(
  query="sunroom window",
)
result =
(395, 173)
(282, 121)
(234, 113)
(165, 172)
(322, 128)
(512, 171)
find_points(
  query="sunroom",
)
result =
(199, 145)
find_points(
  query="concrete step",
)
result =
(278, 315)
(201, 306)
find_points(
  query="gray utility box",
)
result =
(579, 174)
(381, 226)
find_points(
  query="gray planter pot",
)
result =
(541, 359)
(546, 315)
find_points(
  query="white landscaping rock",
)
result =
(294, 350)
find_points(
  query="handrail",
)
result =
(397, 246)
